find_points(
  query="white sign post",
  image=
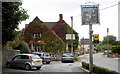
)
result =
(90, 16)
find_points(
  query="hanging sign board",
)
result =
(69, 36)
(90, 14)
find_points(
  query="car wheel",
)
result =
(27, 67)
(8, 65)
(38, 68)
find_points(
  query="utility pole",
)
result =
(90, 50)
(107, 40)
(107, 35)
(71, 34)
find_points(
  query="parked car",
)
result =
(26, 61)
(46, 58)
(107, 52)
(67, 57)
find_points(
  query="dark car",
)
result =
(67, 57)
(26, 61)
(46, 58)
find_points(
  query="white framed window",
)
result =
(36, 47)
(36, 35)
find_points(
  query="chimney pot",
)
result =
(61, 16)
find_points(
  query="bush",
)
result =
(99, 70)
(85, 65)
(76, 58)
(23, 47)
(116, 49)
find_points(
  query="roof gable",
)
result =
(37, 26)
(36, 21)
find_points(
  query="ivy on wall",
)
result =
(52, 42)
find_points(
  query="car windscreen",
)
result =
(46, 54)
(67, 54)
(39, 55)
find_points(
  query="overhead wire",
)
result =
(80, 15)
(99, 10)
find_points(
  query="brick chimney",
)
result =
(26, 25)
(61, 16)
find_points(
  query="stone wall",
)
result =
(8, 53)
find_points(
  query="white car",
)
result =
(26, 61)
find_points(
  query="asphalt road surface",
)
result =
(53, 67)
(102, 60)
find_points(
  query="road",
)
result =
(54, 66)
(102, 60)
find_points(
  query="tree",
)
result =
(111, 40)
(15, 43)
(12, 15)
(23, 47)
(118, 43)
(116, 49)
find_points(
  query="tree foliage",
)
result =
(23, 47)
(111, 40)
(12, 15)
(116, 49)
(61, 29)
(15, 43)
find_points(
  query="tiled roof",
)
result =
(50, 24)
(54, 33)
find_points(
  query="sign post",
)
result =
(90, 50)
(90, 16)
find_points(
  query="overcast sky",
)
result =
(49, 10)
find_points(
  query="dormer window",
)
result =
(36, 35)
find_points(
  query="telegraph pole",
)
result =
(107, 40)
(107, 35)
(71, 34)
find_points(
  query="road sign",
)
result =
(90, 14)
(96, 38)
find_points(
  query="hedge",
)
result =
(116, 49)
(99, 70)
(23, 47)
